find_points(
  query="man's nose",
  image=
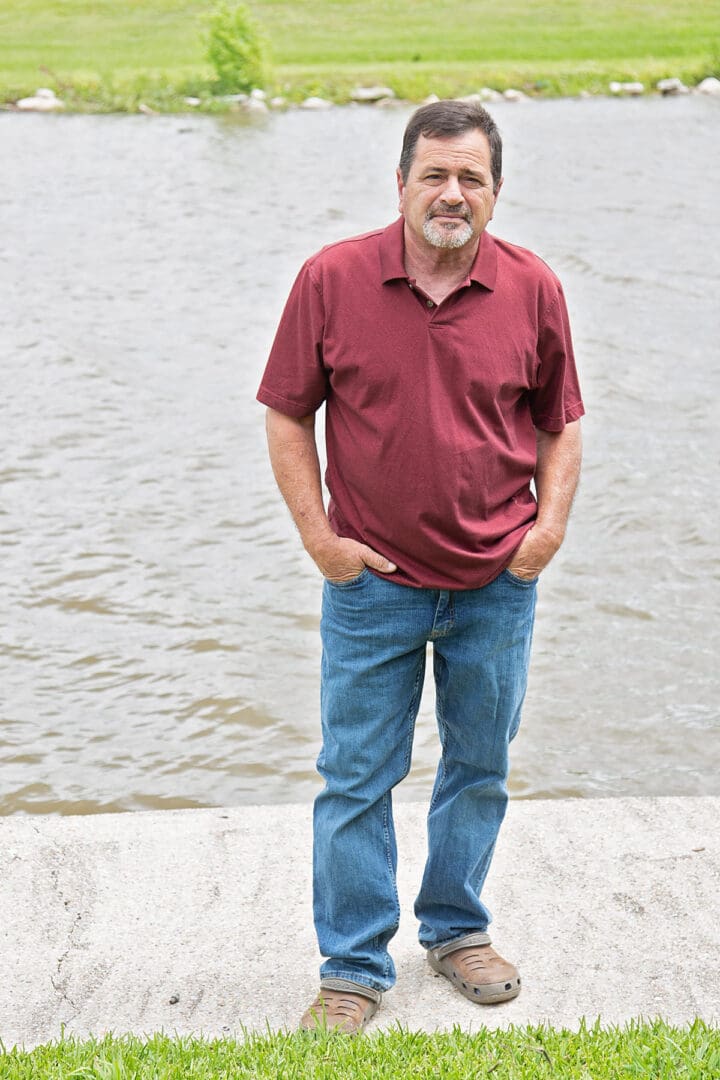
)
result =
(451, 191)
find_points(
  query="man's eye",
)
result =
(472, 181)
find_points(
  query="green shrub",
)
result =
(235, 48)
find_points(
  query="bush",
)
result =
(235, 48)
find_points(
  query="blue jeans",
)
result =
(374, 636)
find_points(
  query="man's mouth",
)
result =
(449, 215)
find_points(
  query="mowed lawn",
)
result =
(332, 43)
(639, 1051)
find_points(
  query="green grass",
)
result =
(115, 54)
(653, 1051)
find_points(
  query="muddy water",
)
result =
(158, 638)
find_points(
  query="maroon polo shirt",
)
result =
(431, 409)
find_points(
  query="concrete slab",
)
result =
(199, 921)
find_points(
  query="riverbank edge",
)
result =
(156, 92)
(199, 921)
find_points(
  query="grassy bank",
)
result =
(104, 55)
(646, 1051)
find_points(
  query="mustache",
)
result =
(448, 211)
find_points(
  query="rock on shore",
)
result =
(670, 87)
(369, 95)
(43, 100)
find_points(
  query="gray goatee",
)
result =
(444, 236)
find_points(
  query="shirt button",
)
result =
(430, 303)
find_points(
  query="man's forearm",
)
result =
(556, 478)
(559, 455)
(296, 466)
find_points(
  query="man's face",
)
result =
(448, 198)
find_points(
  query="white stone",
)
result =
(233, 98)
(316, 103)
(278, 103)
(192, 101)
(258, 95)
(488, 94)
(430, 99)
(671, 86)
(515, 95)
(43, 100)
(255, 105)
(711, 85)
(370, 94)
(631, 89)
(146, 110)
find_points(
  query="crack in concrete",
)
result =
(60, 980)
(195, 1001)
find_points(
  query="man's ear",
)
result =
(401, 189)
(496, 194)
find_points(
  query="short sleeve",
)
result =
(555, 400)
(295, 381)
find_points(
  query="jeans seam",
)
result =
(349, 584)
(458, 940)
(526, 583)
(393, 880)
(354, 977)
(442, 727)
(412, 713)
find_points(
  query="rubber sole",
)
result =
(482, 993)
(327, 1018)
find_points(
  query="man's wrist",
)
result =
(549, 535)
(319, 543)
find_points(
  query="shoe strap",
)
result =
(351, 987)
(478, 938)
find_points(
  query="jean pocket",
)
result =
(353, 581)
(527, 583)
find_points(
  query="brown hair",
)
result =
(445, 119)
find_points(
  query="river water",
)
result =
(159, 645)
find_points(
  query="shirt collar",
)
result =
(392, 251)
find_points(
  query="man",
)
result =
(444, 359)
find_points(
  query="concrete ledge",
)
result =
(200, 921)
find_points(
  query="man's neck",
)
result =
(438, 271)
